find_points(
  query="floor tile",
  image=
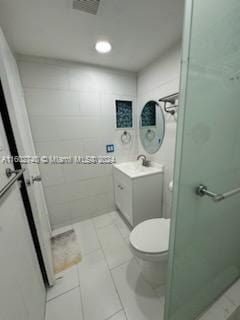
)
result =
(138, 297)
(103, 220)
(86, 236)
(119, 316)
(67, 306)
(99, 297)
(66, 281)
(220, 310)
(233, 293)
(115, 248)
(120, 224)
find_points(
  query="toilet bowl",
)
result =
(149, 243)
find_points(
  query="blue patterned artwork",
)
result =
(124, 114)
(149, 114)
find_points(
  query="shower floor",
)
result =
(107, 283)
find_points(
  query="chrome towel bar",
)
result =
(19, 173)
(202, 191)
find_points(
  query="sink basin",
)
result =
(135, 169)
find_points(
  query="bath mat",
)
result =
(66, 251)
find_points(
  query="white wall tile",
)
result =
(60, 148)
(94, 146)
(89, 104)
(66, 192)
(50, 148)
(77, 172)
(51, 102)
(60, 214)
(99, 185)
(42, 75)
(72, 112)
(83, 79)
(71, 127)
(44, 128)
(160, 79)
(89, 207)
(51, 174)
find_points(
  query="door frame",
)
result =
(23, 190)
(186, 42)
(14, 97)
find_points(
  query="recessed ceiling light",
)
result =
(103, 46)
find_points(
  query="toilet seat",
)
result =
(150, 239)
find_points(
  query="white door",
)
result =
(22, 291)
(204, 253)
(17, 111)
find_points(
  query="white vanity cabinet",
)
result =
(138, 191)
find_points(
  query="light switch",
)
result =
(110, 148)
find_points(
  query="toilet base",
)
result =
(154, 273)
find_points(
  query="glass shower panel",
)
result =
(205, 235)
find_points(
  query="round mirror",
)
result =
(152, 127)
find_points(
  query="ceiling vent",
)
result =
(90, 6)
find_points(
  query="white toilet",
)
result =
(149, 243)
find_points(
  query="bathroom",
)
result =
(119, 160)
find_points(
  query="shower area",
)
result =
(205, 235)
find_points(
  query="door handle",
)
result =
(9, 172)
(18, 174)
(202, 191)
(36, 179)
(33, 179)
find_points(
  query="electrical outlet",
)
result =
(110, 148)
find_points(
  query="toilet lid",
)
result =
(151, 236)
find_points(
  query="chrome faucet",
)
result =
(145, 162)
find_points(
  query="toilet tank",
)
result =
(148, 198)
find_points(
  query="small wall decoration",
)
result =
(149, 114)
(124, 117)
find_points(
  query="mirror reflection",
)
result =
(152, 127)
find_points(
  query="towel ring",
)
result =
(126, 137)
(150, 135)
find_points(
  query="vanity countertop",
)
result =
(135, 169)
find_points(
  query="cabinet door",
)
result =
(123, 198)
(118, 194)
(127, 202)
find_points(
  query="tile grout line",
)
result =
(120, 265)
(63, 293)
(90, 252)
(80, 293)
(114, 314)
(112, 224)
(114, 284)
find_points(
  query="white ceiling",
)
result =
(139, 30)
